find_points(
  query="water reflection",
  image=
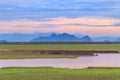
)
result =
(102, 60)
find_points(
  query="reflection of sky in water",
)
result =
(103, 60)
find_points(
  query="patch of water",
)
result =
(102, 60)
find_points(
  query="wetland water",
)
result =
(102, 60)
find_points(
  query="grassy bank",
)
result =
(114, 47)
(35, 56)
(95, 47)
(59, 74)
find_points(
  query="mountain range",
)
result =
(118, 40)
(3, 40)
(21, 37)
(52, 37)
(65, 37)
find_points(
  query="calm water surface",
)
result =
(102, 60)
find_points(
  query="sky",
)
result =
(90, 17)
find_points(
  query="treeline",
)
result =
(36, 43)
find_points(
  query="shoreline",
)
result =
(64, 68)
(40, 54)
(55, 52)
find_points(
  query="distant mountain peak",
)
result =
(64, 37)
(64, 34)
(118, 40)
(3, 40)
(54, 34)
(86, 39)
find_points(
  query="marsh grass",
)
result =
(59, 74)
(115, 47)
(35, 56)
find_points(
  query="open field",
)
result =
(59, 74)
(102, 47)
(30, 50)
(35, 56)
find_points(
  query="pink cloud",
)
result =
(101, 26)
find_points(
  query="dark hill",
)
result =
(118, 40)
(65, 37)
(86, 39)
(3, 40)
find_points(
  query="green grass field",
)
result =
(58, 74)
(115, 47)
(100, 47)
(35, 56)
